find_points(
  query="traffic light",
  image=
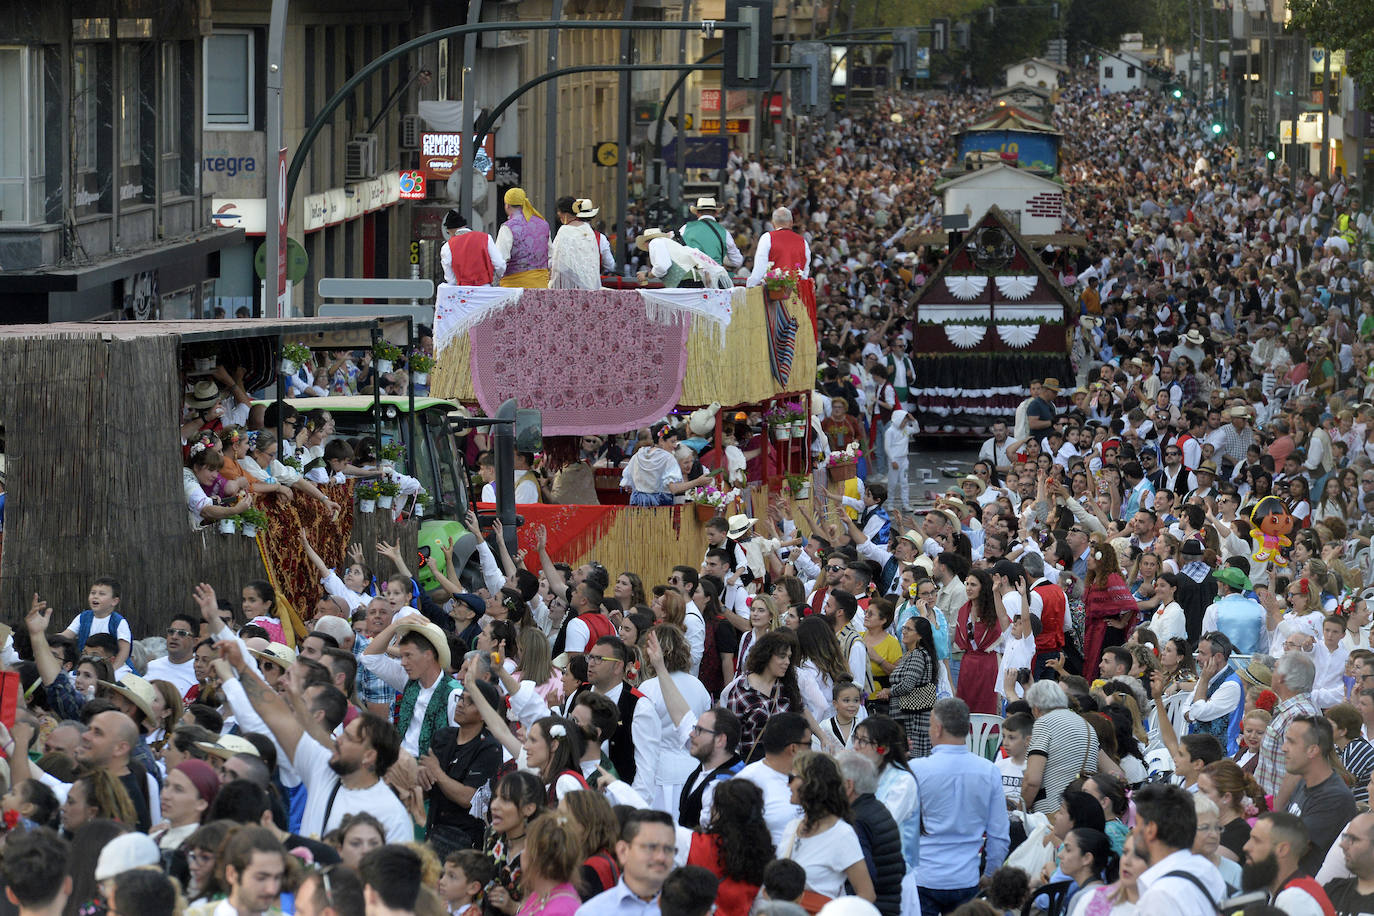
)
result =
(1270, 155)
(1178, 93)
(749, 51)
(939, 35)
(811, 87)
(959, 35)
(1217, 128)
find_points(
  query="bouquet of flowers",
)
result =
(786, 412)
(851, 454)
(778, 279)
(710, 495)
(297, 353)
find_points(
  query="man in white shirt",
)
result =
(178, 667)
(340, 778)
(783, 737)
(418, 676)
(995, 449)
(1178, 881)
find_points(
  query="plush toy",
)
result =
(1271, 520)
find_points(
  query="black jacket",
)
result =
(882, 845)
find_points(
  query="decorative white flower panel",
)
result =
(1016, 287)
(966, 336)
(966, 288)
(1018, 335)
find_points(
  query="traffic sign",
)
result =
(295, 268)
(606, 153)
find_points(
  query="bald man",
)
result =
(105, 745)
(782, 248)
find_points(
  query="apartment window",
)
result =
(1130, 73)
(1107, 72)
(177, 104)
(229, 80)
(130, 107)
(21, 136)
(91, 138)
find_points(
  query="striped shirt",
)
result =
(1358, 760)
(1270, 770)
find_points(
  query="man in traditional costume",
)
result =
(781, 248)
(679, 266)
(469, 258)
(524, 243)
(707, 235)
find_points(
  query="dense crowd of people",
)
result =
(1124, 666)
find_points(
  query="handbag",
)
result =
(920, 699)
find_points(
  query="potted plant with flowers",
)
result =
(424, 504)
(293, 356)
(420, 366)
(779, 421)
(390, 453)
(841, 466)
(779, 284)
(251, 521)
(387, 355)
(366, 492)
(708, 500)
(387, 491)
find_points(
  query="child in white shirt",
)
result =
(1016, 733)
(1017, 648)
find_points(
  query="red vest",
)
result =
(1054, 604)
(786, 249)
(1313, 890)
(818, 601)
(470, 259)
(598, 625)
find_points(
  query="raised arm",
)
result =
(393, 553)
(557, 584)
(271, 708)
(672, 696)
(502, 554)
(314, 557)
(37, 622)
(495, 724)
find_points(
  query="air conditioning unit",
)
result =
(360, 157)
(411, 126)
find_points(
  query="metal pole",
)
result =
(503, 445)
(312, 133)
(410, 391)
(551, 112)
(1298, 63)
(469, 151)
(1326, 117)
(622, 165)
(675, 194)
(276, 40)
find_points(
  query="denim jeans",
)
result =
(938, 902)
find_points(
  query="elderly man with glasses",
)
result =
(1218, 703)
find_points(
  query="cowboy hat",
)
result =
(1239, 411)
(642, 243)
(437, 638)
(204, 394)
(1052, 384)
(229, 746)
(1194, 337)
(277, 653)
(1207, 467)
(583, 209)
(739, 525)
(976, 481)
(706, 203)
(914, 537)
(137, 691)
(1090, 321)
(1232, 577)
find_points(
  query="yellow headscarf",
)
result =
(515, 197)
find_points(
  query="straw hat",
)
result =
(437, 638)
(1194, 337)
(914, 537)
(583, 209)
(740, 525)
(1052, 384)
(204, 394)
(706, 204)
(137, 691)
(1257, 674)
(1207, 467)
(642, 243)
(976, 481)
(228, 746)
(277, 653)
